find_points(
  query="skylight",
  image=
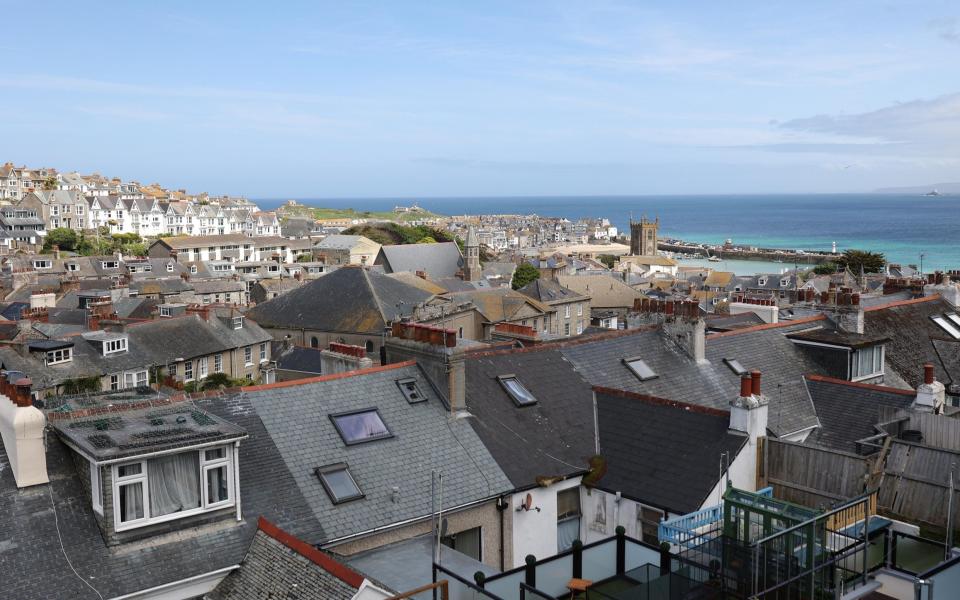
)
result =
(639, 368)
(520, 395)
(361, 426)
(948, 327)
(955, 318)
(339, 483)
(735, 366)
(410, 390)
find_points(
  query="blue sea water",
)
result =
(902, 227)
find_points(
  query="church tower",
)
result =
(471, 270)
(643, 237)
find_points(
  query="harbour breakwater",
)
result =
(735, 252)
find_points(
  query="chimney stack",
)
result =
(680, 320)
(340, 358)
(748, 412)
(436, 351)
(21, 429)
(931, 394)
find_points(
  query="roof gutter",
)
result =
(346, 538)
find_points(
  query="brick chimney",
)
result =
(340, 358)
(21, 429)
(931, 394)
(436, 351)
(680, 321)
(842, 306)
(765, 308)
(200, 310)
(748, 411)
(943, 284)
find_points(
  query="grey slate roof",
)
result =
(548, 290)
(848, 412)
(424, 438)
(272, 570)
(711, 384)
(437, 260)
(42, 572)
(349, 300)
(298, 358)
(665, 456)
(554, 436)
(912, 335)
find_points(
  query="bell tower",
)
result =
(643, 237)
(472, 269)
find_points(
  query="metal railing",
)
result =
(685, 530)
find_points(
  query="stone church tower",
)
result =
(471, 248)
(643, 237)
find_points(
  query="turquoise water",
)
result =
(902, 227)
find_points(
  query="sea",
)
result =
(907, 229)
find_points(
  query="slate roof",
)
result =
(500, 304)
(604, 290)
(298, 358)
(848, 411)
(730, 322)
(661, 454)
(42, 572)
(438, 260)
(280, 566)
(711, 384)
(554, 436)
(837, 337)
(348, 300)
(912, 335)
(424, 438)
(548, 290)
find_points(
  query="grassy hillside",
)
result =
(393, 233)
(312, 212)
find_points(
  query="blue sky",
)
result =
(406, 99)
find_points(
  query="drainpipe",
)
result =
(502, 508)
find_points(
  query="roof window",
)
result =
(339, 483)
(640, 368)
(410, 390)
(955, 318)
(361, 426)
(520, 395)
(947, 326)
(735, 366)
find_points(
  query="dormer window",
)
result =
(762, 281)
(238, 322)
(866, 363)
(72, 267)
(169, 267)
(784, 282)
(109, 264)
(59, 356)
(42, 264)
(172, 486)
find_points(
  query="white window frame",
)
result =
(188, 370)
(248, 356)
(879, 353)
(141, 376)
(203, 367)
(263, 352)
(218, 363)
(114, 346)
(566, 311)
(580, 309)
(205, 505)
(96, 488)
(65, 355)
(114, 383)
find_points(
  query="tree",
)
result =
(65, 239)
(51, 183)
(607, 260)
(862, 260)
(524, 274)
(426, 240)
(827, 268)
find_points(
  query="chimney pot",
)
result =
(928, 375)
(755, 382)
(746, 386)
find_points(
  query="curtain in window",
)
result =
(567, 531)
(174, 483)
(131, 502)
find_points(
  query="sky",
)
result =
(427, 99)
